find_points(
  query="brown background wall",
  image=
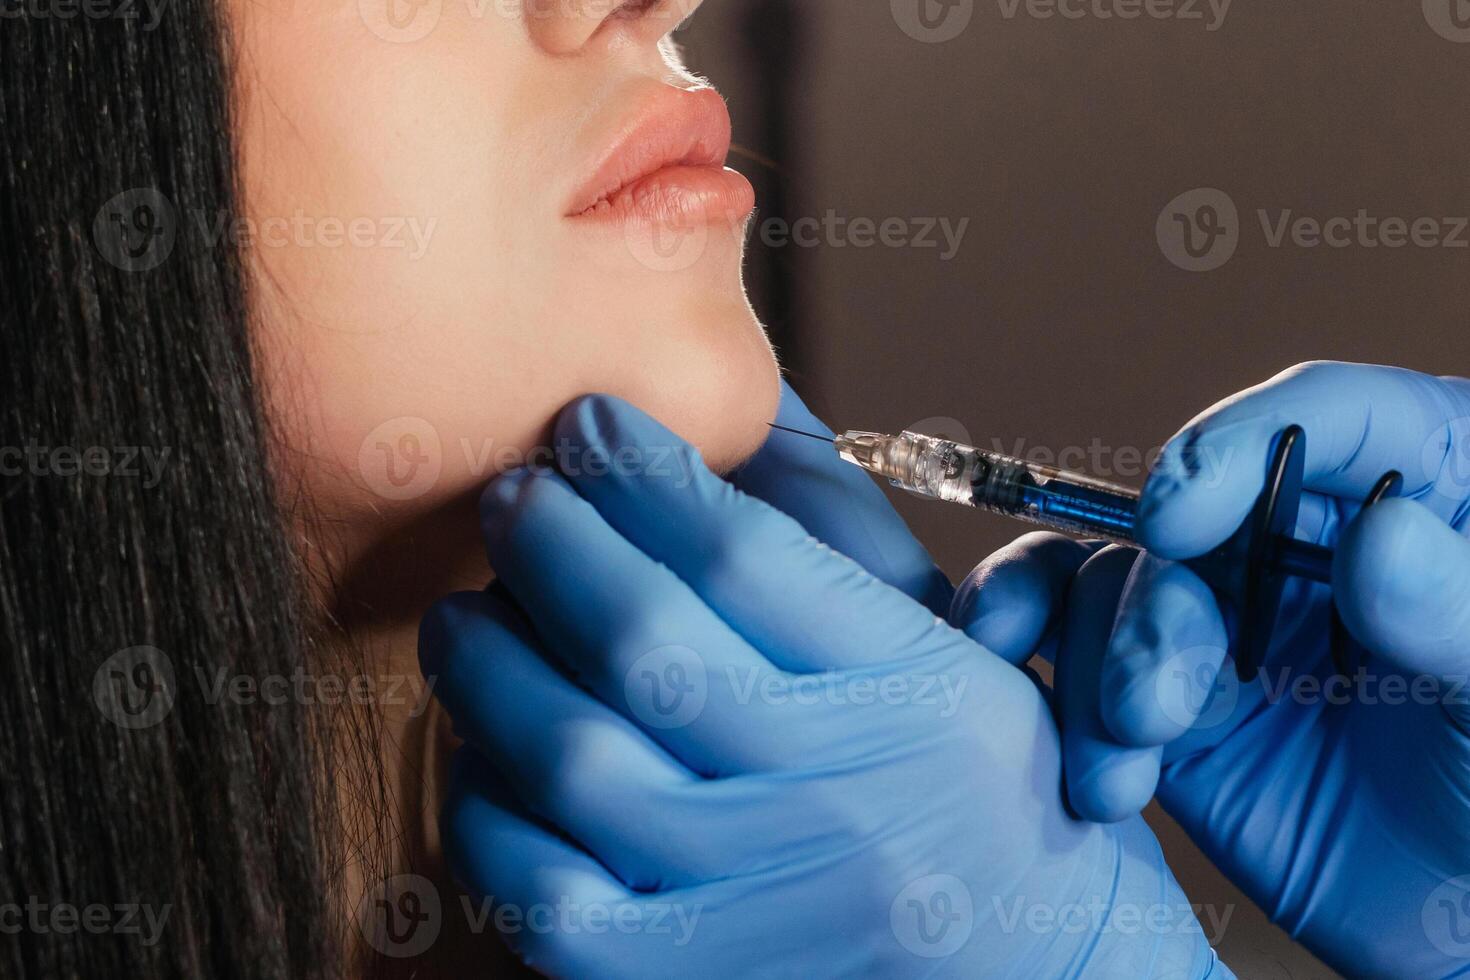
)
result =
(1060, 320)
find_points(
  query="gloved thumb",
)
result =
(1401, 580)
(1013, 601)
(1204, 485)
(839, 505)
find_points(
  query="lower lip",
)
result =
(678, 196)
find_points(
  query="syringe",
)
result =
(945, 470)
(1070, 502)
(1248, 571)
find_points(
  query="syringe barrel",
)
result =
(1053, 498)
(1044, 495)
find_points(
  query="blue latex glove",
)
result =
(839, 505)
(703, 744)
(1341, 806)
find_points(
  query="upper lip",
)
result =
(671, 127)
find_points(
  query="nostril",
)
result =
(565, 26)
(630, 9)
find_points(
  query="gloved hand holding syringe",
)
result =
(1247, 571)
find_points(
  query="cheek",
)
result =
(403, 341)
(340, 130)
(409, 365)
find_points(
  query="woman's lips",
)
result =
(677, 195)
(665, 165)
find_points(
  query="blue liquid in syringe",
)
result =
(1046, 496)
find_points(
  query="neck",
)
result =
(400, 740)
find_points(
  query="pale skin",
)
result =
(503, 309)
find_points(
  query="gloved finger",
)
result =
(1361, 421)
(1013, 601)
(1168, 649)
(839, 505)
(1401, 579)
(573, 761)
(629, 630)
(1106, 782)
(592, 774)
(545, 890)
(804, 606)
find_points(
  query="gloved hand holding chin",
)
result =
(744, 753)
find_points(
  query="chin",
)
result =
(717, 389)
(743, 426)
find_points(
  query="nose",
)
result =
(563, 27)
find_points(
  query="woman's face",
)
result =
(464, 213)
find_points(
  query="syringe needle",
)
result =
(798, 432)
